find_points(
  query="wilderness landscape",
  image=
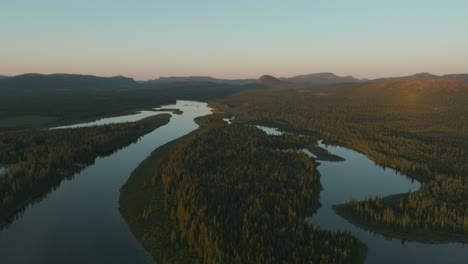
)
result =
(207, 132)
(228, 190)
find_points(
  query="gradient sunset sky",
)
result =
(233, 39)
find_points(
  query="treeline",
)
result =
(412, 138)
(39, 108)
(39, 159)
(420, 132)
(441, 204)
(235, 198)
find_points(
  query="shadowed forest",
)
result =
(230, 196)
(233, 194)
(40, 159)
(417, 127)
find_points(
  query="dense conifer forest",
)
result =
(231, 196)
(39, 159)
(440, 205)
(417, 127)
(38, 105)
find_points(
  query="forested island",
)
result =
(38, 160)
(227, 194)
(226, 132)
(233, 194)
(416, 127)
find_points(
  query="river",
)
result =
(80, 221)
(358, 177)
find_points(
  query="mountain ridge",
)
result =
(319, 78)
(199, 79)
(64, 81)
(463, 77)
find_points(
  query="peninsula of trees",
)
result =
(38, 160)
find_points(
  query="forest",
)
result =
(227, 194)
(38, 105)
(417, 127)
(38, 160)
(440, 205)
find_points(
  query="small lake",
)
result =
(358, 177)
(80, 221)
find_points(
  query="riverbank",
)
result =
(141, 204)
(425, 236)
(29, 180)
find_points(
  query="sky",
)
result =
(233, 39)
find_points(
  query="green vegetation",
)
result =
(323, 154)
(417, 127)
(142, 207)
(440, 205)
(39, 159)
(225, 194)
(39, 101)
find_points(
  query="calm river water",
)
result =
(80, 222)
(358, 177)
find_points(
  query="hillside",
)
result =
(171, 85)
(198, 79)
(425, 76)
(437, 91)
(3, 77)
(38, 101)
(463, 77)
(414, 77)
(320, 78)
(41, 82)
(268, 80)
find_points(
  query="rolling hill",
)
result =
(463, 77)
(425, 76)
(62, 82)
(319, 78)
(199, 79)
(268, 80)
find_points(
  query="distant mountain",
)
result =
(55, 82)
(319, 78)
(414, 77)
(314, 79)
(268, 80)
(421, 85)
(463, 77)
(425, 76)
(168, 85)
(199, 79)
(3, 77)
(438, 91)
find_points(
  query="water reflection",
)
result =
(358, 177)
(80, 221)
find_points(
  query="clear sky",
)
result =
(231, 39)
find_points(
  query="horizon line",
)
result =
(229, 78)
